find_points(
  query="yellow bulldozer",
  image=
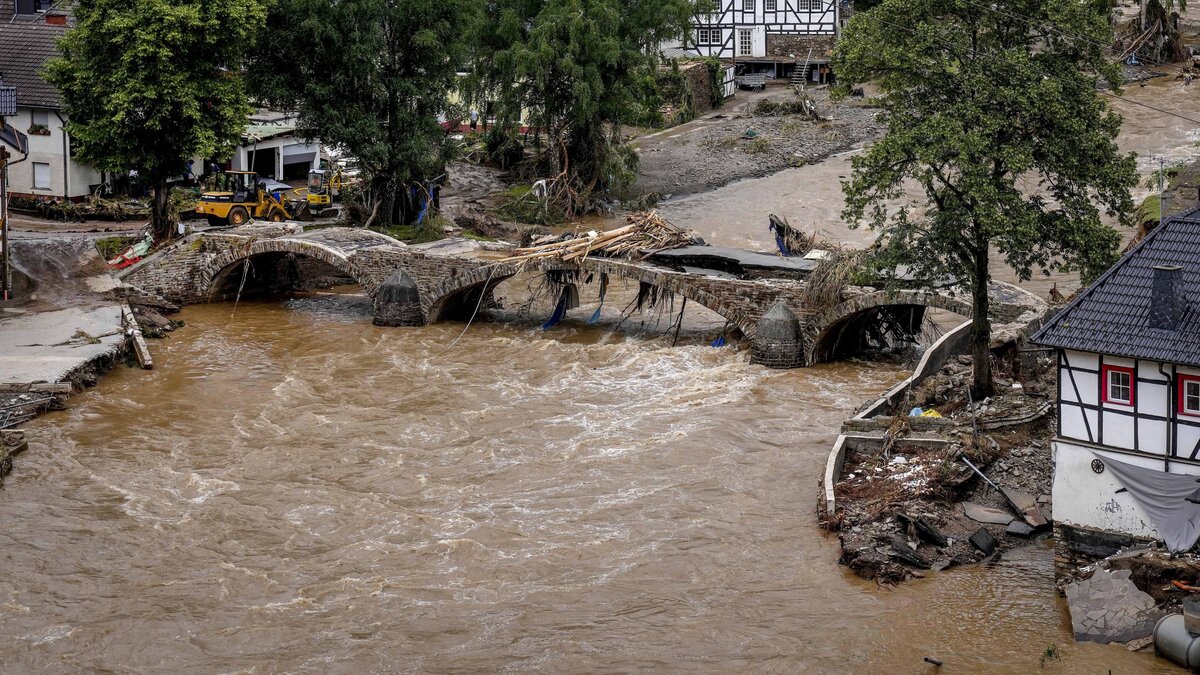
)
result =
(325, 187)
(238, 196)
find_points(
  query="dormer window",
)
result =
(1119, 386)
(34, 6)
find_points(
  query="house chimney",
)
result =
(1167, 303)
(56, 19)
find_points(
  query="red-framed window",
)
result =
(1189, 395)
(1118, 385)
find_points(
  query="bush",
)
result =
(504, 147)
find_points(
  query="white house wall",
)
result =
(69, 179)
(1151, 434)
(1084, 498)
(787, 19)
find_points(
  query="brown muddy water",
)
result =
(293, 489)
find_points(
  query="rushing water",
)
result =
(294, 489)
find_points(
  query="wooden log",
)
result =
(140, 349)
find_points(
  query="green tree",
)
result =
(571, 67)
(995, 117)
(368, 77)
(148, 85)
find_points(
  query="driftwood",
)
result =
(646, 234)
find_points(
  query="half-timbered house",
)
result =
(1127, 449)
(774, 36)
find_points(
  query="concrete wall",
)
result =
(67, 179)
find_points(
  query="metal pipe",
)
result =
(66, 157)
(5, 264)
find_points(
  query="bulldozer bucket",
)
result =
(300, 211)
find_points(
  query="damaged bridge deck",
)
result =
(762, 295)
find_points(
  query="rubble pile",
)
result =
(957, 486)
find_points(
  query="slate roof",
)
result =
(24, 50)
(1112, 315)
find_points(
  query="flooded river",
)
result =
(294, 489)
(811, 198)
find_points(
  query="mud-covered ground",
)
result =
(717, 149)
(882, 494)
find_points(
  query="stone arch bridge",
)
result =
(420, 287)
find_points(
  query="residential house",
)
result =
(1127, 449)
(779, 37)
(29, 30)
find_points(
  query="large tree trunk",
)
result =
(981, 327)
(161, 226)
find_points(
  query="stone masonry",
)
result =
(194, 269)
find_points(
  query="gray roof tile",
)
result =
(1112, 315)
(24, 50)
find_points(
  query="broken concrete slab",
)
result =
(732, 260)
(986, 514)
(1020, 528)
(984, 541)
(1108, 607)
(48, 346)
(1026, 505)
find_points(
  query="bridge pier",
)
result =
(398, 302)
(778, 342)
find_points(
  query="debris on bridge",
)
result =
(646, 234)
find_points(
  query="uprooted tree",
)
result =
(149, 85)
(1160, 39)
(570, 67)
(368, 77)
(995, 116)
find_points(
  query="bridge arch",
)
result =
(442, 298)
(215, 273)
(904, 307)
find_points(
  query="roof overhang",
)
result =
(12, 138)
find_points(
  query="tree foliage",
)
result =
(368, 77)
(148, 85)
(994, 116)
(570, 66)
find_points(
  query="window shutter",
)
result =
(26, 7)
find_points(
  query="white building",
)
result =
(28, 31)
(772, 36)
(271, 148)
(1127, 451)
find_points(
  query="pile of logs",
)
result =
(645, 234)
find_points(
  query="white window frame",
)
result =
(44, 117)
(747, 5)
(44, 174)
(1109, 386)
(770, 5)
(745, 45)
(1186, 396)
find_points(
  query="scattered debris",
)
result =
(646, 233)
